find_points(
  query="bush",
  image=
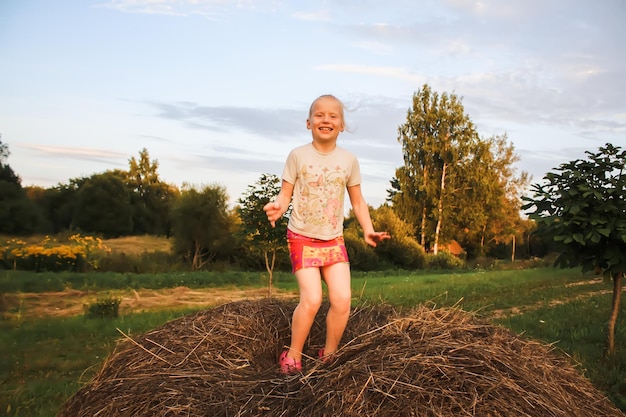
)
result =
(403, 252)
(483, 262)
(444, 260)
(361, 256)
(104, 308)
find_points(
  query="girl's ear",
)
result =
(308, 124)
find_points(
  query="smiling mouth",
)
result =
(326, 129)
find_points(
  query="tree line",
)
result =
(454, 187)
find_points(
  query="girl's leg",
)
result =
(337, 277)
(310, 286)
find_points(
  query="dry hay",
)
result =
(431, 362)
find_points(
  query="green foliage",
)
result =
(58, 203)
(444, 260)
(202, 226)
(435, 140)
(103, 308)
(75, 253)
(152, 198)
(257, 231)
(103, 206)
(454, 185)
(577, 328)
(44, 361)
(582, 208)
(18, 214)
(362, 257)
(26, 281)
(402, 250)
(255, 225)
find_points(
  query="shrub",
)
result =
(444, 260)
(361, 256)
(403, 252)
(483, 262)
(104, 308)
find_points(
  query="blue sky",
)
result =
(218, 91)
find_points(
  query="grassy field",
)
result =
(48, 349)
(136, 245)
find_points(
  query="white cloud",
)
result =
(390, 72)
(77, 153)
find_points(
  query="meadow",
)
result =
(49, 348)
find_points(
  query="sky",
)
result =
(218, 91)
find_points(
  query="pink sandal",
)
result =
(289, 365)
(322, 356)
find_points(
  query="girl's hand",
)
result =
(273, 211)
(374, 238)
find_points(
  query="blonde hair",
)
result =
(331, 97)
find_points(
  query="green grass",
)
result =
(44, 361)
(579, 329)
(485, 291)
(27, 281)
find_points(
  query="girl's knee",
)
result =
(341, 303)
(311, 304)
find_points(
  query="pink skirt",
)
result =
(308, 252)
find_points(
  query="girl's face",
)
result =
(326, 119)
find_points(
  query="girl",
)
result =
(316, 176)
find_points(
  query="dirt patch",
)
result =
(514, 311)
(72, 302)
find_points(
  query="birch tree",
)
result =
(436, 139)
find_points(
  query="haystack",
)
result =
(430, 362)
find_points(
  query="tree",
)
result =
(103, 206)
(255, 226)
(19, 215)
(455, 185)
(152, 198)
(582, 208)
(58, 204)
(488, 196)
(6, 173)
(202, 225)
(435, 140)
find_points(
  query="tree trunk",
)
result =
(423, 231)
(270, 270)
(440, 208)
(513, 250)
(617, 293)
(424, 211)
(200, 257)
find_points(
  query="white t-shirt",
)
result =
(320, 181)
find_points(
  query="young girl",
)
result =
(316, 176)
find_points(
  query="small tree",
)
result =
(202, 225)
(582, 207)
(254, 221)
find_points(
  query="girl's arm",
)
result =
(362, 213)
(275, 209)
